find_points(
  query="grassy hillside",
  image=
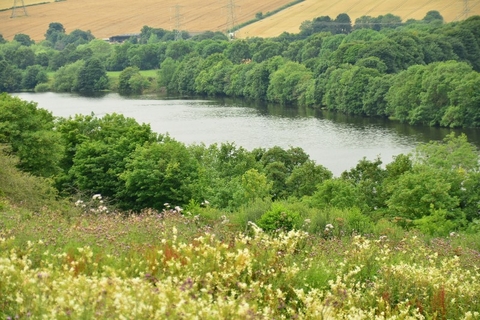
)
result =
(290, 19)
(107, 17)
(82, 262)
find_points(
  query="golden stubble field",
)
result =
(290, 19)
(105, 18)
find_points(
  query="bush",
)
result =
(252, 211)
(278, 218)
(23, 189)
(335, 222)
(42, 87)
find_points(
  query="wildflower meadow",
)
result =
(173, 265)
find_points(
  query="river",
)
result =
(334, 140)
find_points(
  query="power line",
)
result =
(231, 17)
(412, 12)
(178, 23)
(392, 10)
(15, 6)
(466, 9)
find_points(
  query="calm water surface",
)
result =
(336, 141)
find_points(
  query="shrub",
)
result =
(23, 189)
(278, 218)
(42, 87)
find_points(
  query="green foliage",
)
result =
(55, 32)
(97, 151)
(286, 83)
(159, 173)
(212, 80)
(438, 223)
(66, 78)
(238, 51)
(279, 166)
(166, 72)
(23, 39)
(229, 176)
(414, 193)
(336, 193)
(100, 49)
(278, 218)
(177, 50)
(440, 189)
(42, 87)
(33, 76)
(22, 189)
(132, 82)
(92, 76)
(328, 64)
(10, 77)
(29, 132)
(183, 80)
(432, 16)
(374, 101)
(23, 57)
(304, 178)
(255, 185)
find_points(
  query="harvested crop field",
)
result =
(289, 20)
(105, 18)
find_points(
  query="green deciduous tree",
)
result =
(66, 78)
(10, 77)
(158, 173)
(166, 72)
(286, 83)
(29, 132)
(213, 76)
(177, 50)
(55, 32)
(23, 39)
(131, 81)
(336, 193)
(238, 51)
(404, 94)
(24, 57)
(92, 76)
(441, 187)
(96, 153)
(33, 76)
(464, 103)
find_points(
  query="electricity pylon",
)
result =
(178, 23)
(16, 5)
(231, 17)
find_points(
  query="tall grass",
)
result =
(158, 265)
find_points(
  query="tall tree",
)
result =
(29, 132)
(92, 76)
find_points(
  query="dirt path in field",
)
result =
(106, 18)
(290, 19)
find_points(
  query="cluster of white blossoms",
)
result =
(251, 275)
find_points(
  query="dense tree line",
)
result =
(435, 189)
(419, 71)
